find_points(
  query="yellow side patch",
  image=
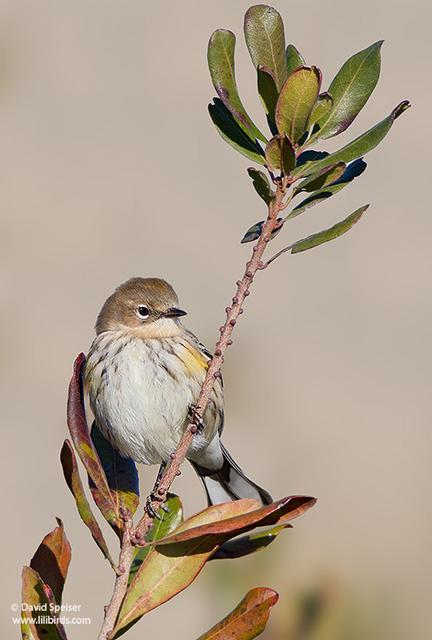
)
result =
(193, 360)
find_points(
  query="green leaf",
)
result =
(26, 630)
(315, 198)
(296, 101)
(73, 480)
(351, 89)
(265, 39)
(268, 92)
(280, 154)
(309, 156)
(36, 594)
(294, 59)
(261, 185)
(79, 431)
(358, 147)
(121, 473)
(352, 171)
(254, 232)
(322, 108)
(232, 133)
(328, 234)
(322, 178)
(52, 606)
(250, 543)
(162, 526)
(220, 57)
(52, 559)
(248, 620)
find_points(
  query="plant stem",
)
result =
(133, 537)
(127, 553)
(213, 371)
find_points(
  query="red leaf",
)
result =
(81, 438)
(276, 513)
(73, 480)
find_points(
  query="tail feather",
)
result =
(229, 483)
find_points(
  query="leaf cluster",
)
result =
(299, 114)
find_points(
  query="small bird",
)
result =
(143, 376)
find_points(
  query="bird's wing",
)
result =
(203, 349)
(198, 344)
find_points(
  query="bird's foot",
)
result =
(157, 495)
(152, 512)
(196, 419)
(153, 497)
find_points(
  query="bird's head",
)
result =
(147, 307)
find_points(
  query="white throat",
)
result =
(162, 328)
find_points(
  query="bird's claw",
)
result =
(150, 509)
(195, 418)
(154, 497)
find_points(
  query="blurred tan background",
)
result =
(110, 167)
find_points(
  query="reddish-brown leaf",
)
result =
(247, 620)
(279, 512)
(83, 444)
(73, 480)
(51, 560)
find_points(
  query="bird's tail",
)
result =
(229, 483)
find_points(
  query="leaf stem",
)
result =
(276, 255)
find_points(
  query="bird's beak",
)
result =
(174, 313)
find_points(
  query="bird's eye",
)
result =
(143, 312)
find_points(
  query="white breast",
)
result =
(140, 392)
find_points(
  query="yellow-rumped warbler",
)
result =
(143, 375)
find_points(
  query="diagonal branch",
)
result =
(137, 536)
(213, 372)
